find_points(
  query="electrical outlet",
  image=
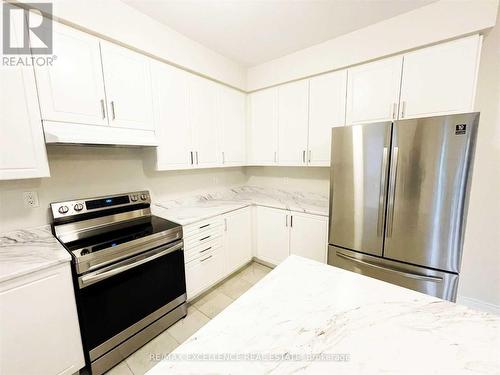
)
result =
(31, 199)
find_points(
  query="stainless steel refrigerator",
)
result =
(398, 200)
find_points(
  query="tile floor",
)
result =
(199, 313)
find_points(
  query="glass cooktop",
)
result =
(135, 229)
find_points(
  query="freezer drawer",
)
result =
(435, 283)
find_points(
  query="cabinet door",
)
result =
(373, 91)
(293, 107)
(202, 105)
(39, 317)
(440, 80)
(22, 143)
(308, 236)
(232, 126)
(272, 234)
(327, 98)
(237, 239)
(171, 109)
(128, 87)
(72, 88)
(263, 127)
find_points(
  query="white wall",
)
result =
(91, 171)
(121, 23)
(480, 276)
(426, 25)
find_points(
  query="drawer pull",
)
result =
(204, 238)
(208, 248)
(208, 257)
(204, 226)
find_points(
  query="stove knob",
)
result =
(78, 207)
(63, 209)
(144, 197)
(133, 198)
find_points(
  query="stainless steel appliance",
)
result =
(398, 200)
(128, 268)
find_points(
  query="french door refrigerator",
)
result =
(398, 200)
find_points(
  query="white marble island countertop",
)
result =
(355, 324)
(29, 250)
(191, 209)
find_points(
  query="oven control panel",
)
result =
(88, 205)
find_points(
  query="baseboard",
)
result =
(478, 305)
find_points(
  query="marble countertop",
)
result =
(351, 323)
(198, 207)
(29, 250)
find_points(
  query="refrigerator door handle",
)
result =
(411, 275)
(381, 198)
(392, 190)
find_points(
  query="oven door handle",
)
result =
(115, 269)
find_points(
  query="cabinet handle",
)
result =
(113, 109)
(197, 161)
(286, 220)
(103, 109)
(207, 258)
(204, 226)
(208, 248)
(223, 158)
(192, 160)
(394, 110)
(275, 158)
(304, 156)
(291, 221)
(403, 109)
(204, 238)
(310, 157)
(225, 225)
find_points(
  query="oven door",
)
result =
(117, 301)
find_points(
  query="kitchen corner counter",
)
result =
(29, 250)
(195, 208)
(358, 325)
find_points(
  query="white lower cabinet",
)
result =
(216, 247)
(282, 232)
(39, 326)
(272, 237)
(309, 236)
(203, 272)
(237, 239)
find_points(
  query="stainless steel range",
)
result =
(128, 268)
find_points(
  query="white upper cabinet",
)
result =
(22, 144)
(440, 79)
(128, 87)
(293, 107)
(263, 127)
(203, 106)
(232, 126)
(171, 109)
(308, 236)
(72, 88)
(327, 99)
(373, 91)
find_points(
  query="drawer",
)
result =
(202, 250)
(202, 226)
(202, 238)
(202, 273)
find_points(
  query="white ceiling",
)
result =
(251, 32)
